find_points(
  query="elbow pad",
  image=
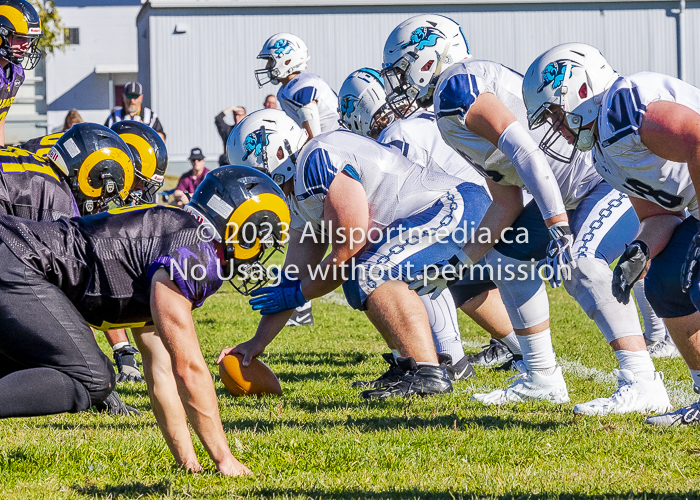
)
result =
(309, 113)
(522, 151)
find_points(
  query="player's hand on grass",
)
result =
(250, 349)
(631, 267)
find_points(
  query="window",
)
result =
(72, 36)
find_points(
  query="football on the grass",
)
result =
(255, 379)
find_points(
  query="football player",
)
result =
(20, 30)
(644, 131)
(143, 267)
(363, 109)
(366, 200)
(480, 113)
(305, 97)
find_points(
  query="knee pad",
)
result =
(521, 288)
(103, 380)
(591, 286)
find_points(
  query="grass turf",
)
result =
(321, 440)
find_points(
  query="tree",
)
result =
(52, 26)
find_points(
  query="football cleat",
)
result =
(302, 316)
(461, 370)
(633, 394)
(509, 365)
(687, 415)
(390, 376)
(495, 353)
(127, 368)
(663, 348)
(418, 380)
(115, 406)
(527, 386)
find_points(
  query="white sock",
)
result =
(654, 327)
(119, 345)
(638, 362)
(538, 353)
(442, 316)
(511, 340)
(696, 377)
(396, 353)
(425, 363)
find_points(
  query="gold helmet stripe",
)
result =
(16, 18)
(264, 202)
(148, 156)
(96, 157)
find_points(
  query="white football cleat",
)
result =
(663, 349)
(528, 386)
(633, 394)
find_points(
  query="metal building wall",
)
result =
(196, 74)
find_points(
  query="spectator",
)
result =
(270, 102)
(133, 109)
(72, 118)
(190, 180)
(224, 128)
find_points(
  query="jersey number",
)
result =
(666, 200)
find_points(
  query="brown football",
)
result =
(255, 379)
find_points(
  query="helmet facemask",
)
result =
(562, 138)
(268, 74)
(145, 189)
(402, 97)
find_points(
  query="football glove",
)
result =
(559, 257)
(127, 368)
(273, 299)
(629, 268)
(434, 281)
(690, 266)
(115, 406)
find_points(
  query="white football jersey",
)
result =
(303, 89)
(620, 156)
(458, 88)
(395, 187)
(419, 139)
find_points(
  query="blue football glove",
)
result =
(629, 268)
(273, 299)
(559, 257)
(690, 266)
(435, 281)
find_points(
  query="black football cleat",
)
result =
(388, 377)
(496, 353)
(302, 316)
(509, 365)
(462, 370)
(418, 380)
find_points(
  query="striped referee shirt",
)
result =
(147, 116)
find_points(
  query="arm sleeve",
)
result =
(532, 167)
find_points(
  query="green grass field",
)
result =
(321, 440)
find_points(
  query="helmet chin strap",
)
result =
(436, 74)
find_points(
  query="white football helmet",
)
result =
(285, 54)
(564, 88)
(362, 103)
(267, 140)
(415, 54)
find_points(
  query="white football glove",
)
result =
(436, 278)
(559, 259)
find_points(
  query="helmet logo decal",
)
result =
(254, 143)
(424, 37)
(347, 105)
(283, 46)
(554, 74)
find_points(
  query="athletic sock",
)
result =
(654, 327)
(638, 362)
(695, 374)
(538, 353)
(511, 340)
(396, 354)
(442, 316)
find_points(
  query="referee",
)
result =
(133, 109)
